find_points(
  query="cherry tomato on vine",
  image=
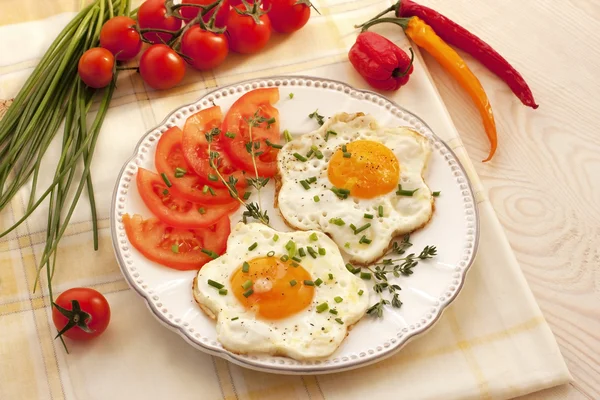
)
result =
(206, 50)
(96, 67)
(247, 36)
(189, 13)
(120, 38)
(288, 15)
(81, 313)
(152, 14)
(161, 67)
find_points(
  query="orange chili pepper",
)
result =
(424, 36)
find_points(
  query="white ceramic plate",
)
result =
(454, 229)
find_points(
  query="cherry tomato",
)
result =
(288, 15)
(120, 38)
(152, 14)
(236, 122)
(182, 249)
(189, 13)
(169, 160)
(88, 316)
(161, 67)
(207, 50)
(174, 210)
(96, 67)
(245, 35)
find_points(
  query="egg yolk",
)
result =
(273, 288)
(367, 168)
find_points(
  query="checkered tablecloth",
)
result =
(492, 342)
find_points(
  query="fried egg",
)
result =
(358, 182)
(280, 293)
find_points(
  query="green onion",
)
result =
(312, 179)
(211, 254)
(322, 251)
(368, 216)
(212, 177)
(316, 199)
(329, 133)
(338, 299)
(212, 192)
(253, 246)
(284, 258)
(273, 145)
(344, 148)
(291, 96)
(322, 307)
(205, 189)
(347, 155)
(436, 194)
(309, 283)
(275, 237)
(313, 236)
(245, 267)
(311, 251)
(230, 135)
(215, 284)
(364, 240)
(402, 192)
(300, 157)
(362, 228)
(380, 211)
(365, 275)
(290, 246)
(247, 285)
(271, 253)
(201, 210)
(330, 276)
(302, 252)
(305, 185)
(341, 193)
(287, 136)
(319, 281)
(309, 154)
(295, 265)
(293, 282)
(333, 311)
(247, 195)
(248, 293)
(337, 221)
(360, 292)
(223, 292)
(351, 268)
(166, 179)
(175, 248)
(339, 321)
(165, 192)
(297, 259)
(235, 318)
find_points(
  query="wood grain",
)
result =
(544, 182)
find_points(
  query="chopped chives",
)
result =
(305, 185)
(360, 292)
(223, 292)
(175, 248)
(287, 136)
(344, 148)
(347, 245)
(215, 284)
(253, 246)
(300, 157)
(273, 145)
(339, 321)
(333, 311)
(291, 96)
(309, 283)
(271, 253)
(436, 194)
(247, 195)
(302, 252)
(166, 179)
(247, 285)
(330, 276)
(402, 192)
(311, 251)
(293, 282)
(318, 281)
(275, 237)
(290, 246)
(310, 153)
(364, 240)
(230, 135)
(212, 177)
(351, 268)
(205, 189)
(165, 192)
(337, 221)
(380, 211)
(362, 228)
(353, 227)
(312, 179)
(322, 251)
(180, 170)
(347, 155)
(338, 299)
(210, 253)
(313, 236)
(248, 293)
(316, 199)
(368, 216)
(201, 210)
(318, 154)
(329, 133)
(245, 267)
(365, 275)
(179, 175)
(284, 258)
(297, 259)
(235, 318)
(322, 307)
(295, 265)
(341, 193)
(212, 192)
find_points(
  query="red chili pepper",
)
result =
(457, 36)
(380, 62)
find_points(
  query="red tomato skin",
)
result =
(189, 13)
(246, 36)
(120, 38)
(185, 214)
(169, 155)
(207, 50)
(147, 236)
(234, 121)
(161, 68)
(92, 302)
(152, 14)
(286, 16)
(96, 67)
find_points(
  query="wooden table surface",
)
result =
(544, 181)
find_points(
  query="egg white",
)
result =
(401, 214)
(305, 335)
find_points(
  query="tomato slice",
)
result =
(180, 249)
(174, 210)
(169, 157)
(195, 148)
(235, 122)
